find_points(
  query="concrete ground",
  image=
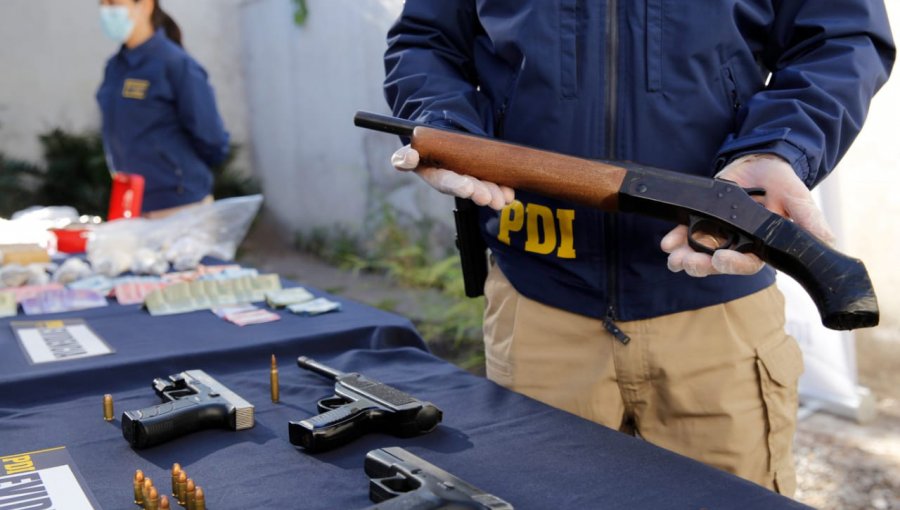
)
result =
(840, 465)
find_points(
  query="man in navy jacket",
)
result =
(584, 310)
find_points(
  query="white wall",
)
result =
(304, 85)
(52, 55)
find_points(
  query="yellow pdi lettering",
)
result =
(535, 213)
(566, 218)
(512, 219)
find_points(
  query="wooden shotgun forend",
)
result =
(583, 181)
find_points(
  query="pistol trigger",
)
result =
(394, 485)
(330, 403)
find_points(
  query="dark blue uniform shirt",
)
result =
(160, 121)
(687, 86)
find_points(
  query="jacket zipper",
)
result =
(612, 56)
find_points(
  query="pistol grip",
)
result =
(335, 427)
(157, 424)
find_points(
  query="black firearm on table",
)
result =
(402, 481)
(360, 405)
(193, 401)
(838, 284)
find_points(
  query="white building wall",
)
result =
(52, 56)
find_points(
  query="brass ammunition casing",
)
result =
(190, 494)
(199, 499)
(145, 491)
(138, 487)
(176, 468)
(164, 503)
(182, 488)
(108, 407)
(273, 379)
(152, 499)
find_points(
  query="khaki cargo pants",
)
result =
(717, 384)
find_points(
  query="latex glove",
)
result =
(785, 194)
(451, 183)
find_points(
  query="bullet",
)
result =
(199, 499)
(145, 490)
(273, 378)
(182, 488)
(108, 407)
(190, 495)
(176, 468)
(164, 503)
(152, 499)
(138, 487)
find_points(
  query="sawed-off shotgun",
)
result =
(838, 284)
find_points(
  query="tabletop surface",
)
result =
(525, 452)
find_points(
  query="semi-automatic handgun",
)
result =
(360, 405)
(192, 401)
(401, 480)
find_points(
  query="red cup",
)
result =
(126, 197)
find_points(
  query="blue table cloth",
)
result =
(532, 455)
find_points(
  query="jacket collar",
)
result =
(135, 56)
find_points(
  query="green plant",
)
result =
(404, 251)
(18, 183)
(75, 173)
(230, 181)
(301, 12)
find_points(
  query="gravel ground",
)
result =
(842, 465)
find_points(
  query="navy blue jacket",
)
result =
(160, 120)
(677, 85)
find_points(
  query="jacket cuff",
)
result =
(449, 120)
(793, 154)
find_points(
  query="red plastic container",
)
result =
(71, 240)
(126, 197)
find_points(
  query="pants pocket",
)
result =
(780, 365)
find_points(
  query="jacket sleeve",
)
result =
(197, 112)
(827, 60)
(429, 72)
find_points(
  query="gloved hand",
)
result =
(785, 194)
(446, 181)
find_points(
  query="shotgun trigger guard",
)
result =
(726, 238)
(330, 403)
(755, 192)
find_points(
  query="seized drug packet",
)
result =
(290, 296)
(315, 307)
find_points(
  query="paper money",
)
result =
(185, 297)
(285, 297)
(65, 300)
(223, 311)
(97, 283)
(8, 305)
(315, 307)
(133, 293)
(259, 316)
(23, 293)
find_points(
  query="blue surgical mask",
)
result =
(116, 23)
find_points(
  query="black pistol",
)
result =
(400, 480)
(360, 405)
(192, 401)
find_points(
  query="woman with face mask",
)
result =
(159, 112)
